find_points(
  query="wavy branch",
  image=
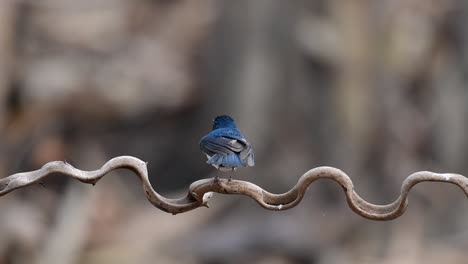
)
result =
(200, 192)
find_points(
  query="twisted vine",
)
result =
(200, 192)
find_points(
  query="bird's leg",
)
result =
(216, 177)
(230, 176)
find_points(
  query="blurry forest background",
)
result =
(378, 89)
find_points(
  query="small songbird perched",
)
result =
(225, 146)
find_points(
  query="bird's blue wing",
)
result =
(227, 147)
(220, 145)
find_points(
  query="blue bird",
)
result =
(225, 146)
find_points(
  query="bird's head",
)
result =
(223, 121)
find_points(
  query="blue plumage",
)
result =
(225, 146)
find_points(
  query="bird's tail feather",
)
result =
(250, 159)
(231, 160)
(247, 157)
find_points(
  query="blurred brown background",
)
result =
(375, 88)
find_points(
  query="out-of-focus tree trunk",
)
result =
(8, 11)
